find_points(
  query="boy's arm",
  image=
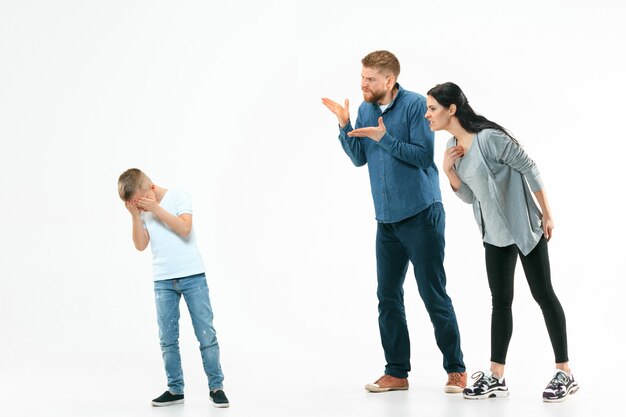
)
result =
(181, 225)
(141, 238)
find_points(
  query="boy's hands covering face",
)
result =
(132, 208)
(147, 203)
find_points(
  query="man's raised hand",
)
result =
(342, 113)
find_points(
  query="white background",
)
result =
(223, 99)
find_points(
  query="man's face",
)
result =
(374, 85)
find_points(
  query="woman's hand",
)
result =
(450, 156)
(547, 224)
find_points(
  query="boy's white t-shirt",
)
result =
(172, 255)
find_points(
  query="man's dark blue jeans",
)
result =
(419, 239)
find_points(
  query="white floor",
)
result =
(305, 390)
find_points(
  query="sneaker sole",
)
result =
(374, 388)
(451, 389)
(165, 404)
(219, 405)
(572, 391)
(492, 394)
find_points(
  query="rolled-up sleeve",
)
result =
(509, 153)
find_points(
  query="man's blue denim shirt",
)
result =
(403, 175)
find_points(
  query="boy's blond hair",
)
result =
(383, 61)
(131, 181)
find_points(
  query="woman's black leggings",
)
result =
(500, 270)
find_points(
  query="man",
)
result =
(393, 139)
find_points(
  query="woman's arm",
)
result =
(547, 224)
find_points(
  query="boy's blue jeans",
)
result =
(196, 292)
(419, 239)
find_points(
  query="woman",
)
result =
(487, 168)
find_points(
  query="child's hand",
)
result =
(147, 203)
(132, 208)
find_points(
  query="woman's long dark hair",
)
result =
(449, 93)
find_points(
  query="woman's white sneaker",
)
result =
(486, 386)
(560, 387)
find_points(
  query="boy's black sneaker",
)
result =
(486, 387)
(219, 399)
(167, 398)
(560, 387)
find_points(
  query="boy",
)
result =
(163, 218)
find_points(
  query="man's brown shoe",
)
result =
(388, 383)
(456, 382)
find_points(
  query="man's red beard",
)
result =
(374, 97)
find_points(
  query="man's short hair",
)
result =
(131, 181)
(382, 61)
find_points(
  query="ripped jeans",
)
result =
(196, 293)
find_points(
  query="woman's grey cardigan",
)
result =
(510, 173)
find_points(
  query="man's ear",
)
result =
(391, 81)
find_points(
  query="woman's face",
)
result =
(438, 115)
